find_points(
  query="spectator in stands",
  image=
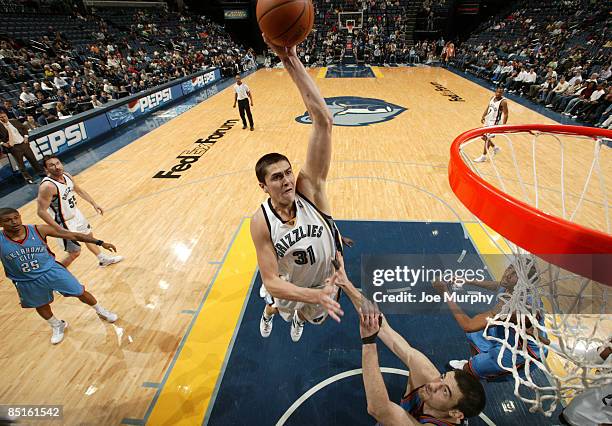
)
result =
(561, 101)
(104, 97)
(585, 105)
(12, 112)
(22, 74)
(58, 81)
(48, 71)
(606, 73)
(538, 92)
(584, 95)
(515, 80)
(30, 122)
(559, 89)
(61, 111)
(498, 70)
(27, 96)
(576, 79)
(95, 102)
(46, 117)
(529, 79)
(14, 138)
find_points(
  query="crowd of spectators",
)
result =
(48, 78)
(555, 53)
(383, 36)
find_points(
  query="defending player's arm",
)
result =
(504, 108)
(311, 180)
(340, 279)
(421, 368)
(45, 195)
(79, 190)
(49, 231)
(467, 323)
(379, 405)
(276, 286)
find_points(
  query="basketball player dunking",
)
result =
(57, 207)
(495, 114)
(293, 232)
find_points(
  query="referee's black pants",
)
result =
(243, 106)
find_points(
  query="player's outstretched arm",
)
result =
(379, 405)
(276, 286)
(340, 279)
(43, 201)
(421, 368)
(49, 231)
(85, 195)
(467, 323)
(313, 174)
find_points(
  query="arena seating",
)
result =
(567, 36)
(108, 54)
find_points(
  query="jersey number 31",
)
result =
(304, 257)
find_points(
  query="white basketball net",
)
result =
(539, 169)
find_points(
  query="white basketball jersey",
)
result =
(63, 205)
(305, 249)
(494, 113)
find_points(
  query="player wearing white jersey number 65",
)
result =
(57, 206)
(293, 232)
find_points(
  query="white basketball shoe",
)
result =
(265, 325)
(297, 327)
(457, 364)
(107, 315)
(110, 260)
(58, 332)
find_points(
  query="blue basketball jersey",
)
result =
(28, 259)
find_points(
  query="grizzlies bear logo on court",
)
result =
(357, 111)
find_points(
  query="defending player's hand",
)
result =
(369, 324)
(339, 277)
(281, 51)
(109, 247)
(99, 210)
(325, 298)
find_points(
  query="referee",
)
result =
(242, 94)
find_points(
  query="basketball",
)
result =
(285, 22)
